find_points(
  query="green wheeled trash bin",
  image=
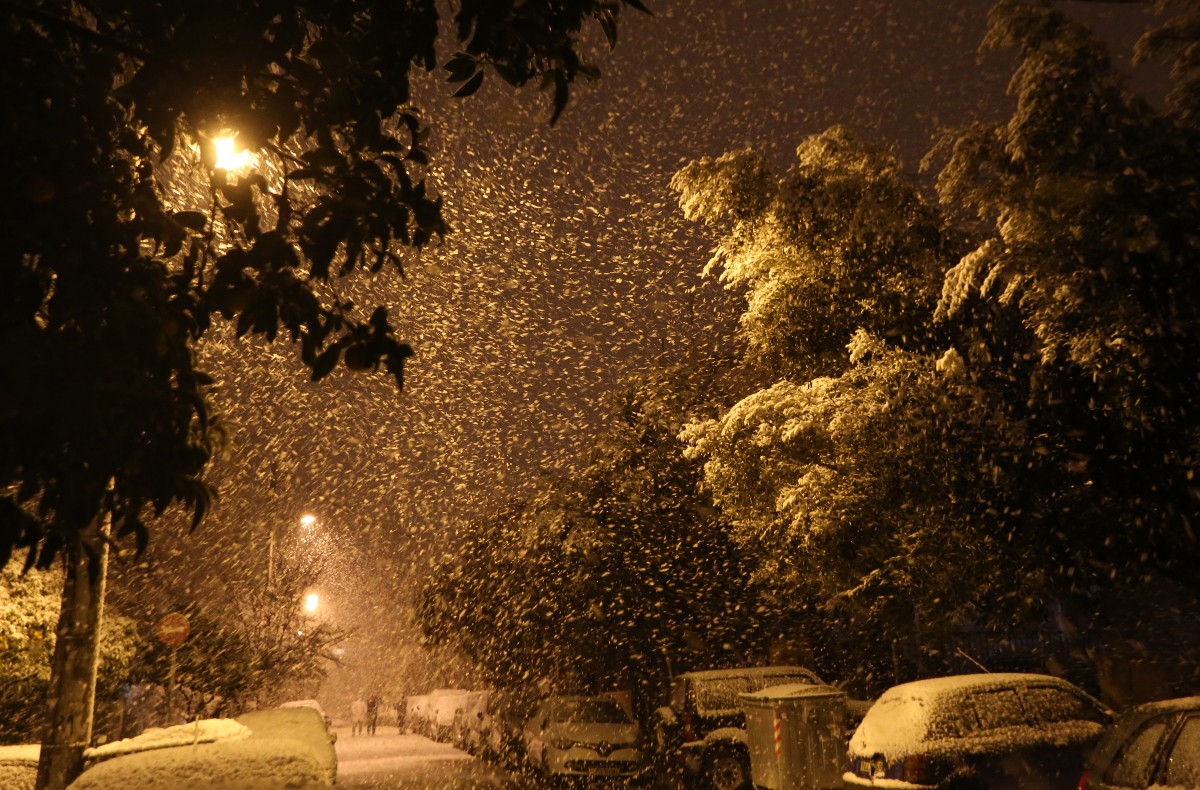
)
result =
(796, 734)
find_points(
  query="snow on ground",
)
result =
(18, 766)
(411, 762)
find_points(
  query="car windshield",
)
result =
(595, 711)
(514, 707)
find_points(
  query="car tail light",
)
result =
(689, 732)
(916, 769)
(1083, 780)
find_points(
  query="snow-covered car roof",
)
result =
(717, 674)
(299, 724)
(303, 703)
(1165, 705)
(932, 688)
(714, 692)
(793, 691)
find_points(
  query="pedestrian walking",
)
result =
(372, 713)
(358, 715)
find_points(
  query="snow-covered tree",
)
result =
(1093, 200)
(1039, 440)
(29, 606)
(881, 491)
(843, 241)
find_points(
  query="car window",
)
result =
(720, 694)
(595, 711)
(678, 694)
(1046, 704)
(952, 721)
(997, 708)
(1131, 767)
(1183, 762)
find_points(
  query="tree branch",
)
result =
(71, 28)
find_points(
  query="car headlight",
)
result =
(560, 742)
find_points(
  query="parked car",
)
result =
(276, 747)
(416, 714)
(311, 703)
(302, 724)
(996, 731)
(503, 722)
(1152, 745)
(583, 737)
(467, 730)
(443, 704)
(702, 730)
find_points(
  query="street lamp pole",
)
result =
(306, 520)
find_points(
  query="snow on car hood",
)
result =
(202, 731)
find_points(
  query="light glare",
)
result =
(311, 602)
(227, 158)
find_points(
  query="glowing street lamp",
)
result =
(311, 602)
(227, 157)
(306, 521)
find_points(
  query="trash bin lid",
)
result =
(792, 691)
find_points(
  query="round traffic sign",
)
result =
(172, 629)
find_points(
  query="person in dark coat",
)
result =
(398, 707)
(372, 713)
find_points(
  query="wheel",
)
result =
(662, 741)
(727, 769)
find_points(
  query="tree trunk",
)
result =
(72, 696)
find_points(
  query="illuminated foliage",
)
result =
(843, 241)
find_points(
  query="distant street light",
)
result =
(307, 520)
(311, 602)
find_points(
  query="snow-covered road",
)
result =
(411, 762)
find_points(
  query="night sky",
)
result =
(570, 266)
